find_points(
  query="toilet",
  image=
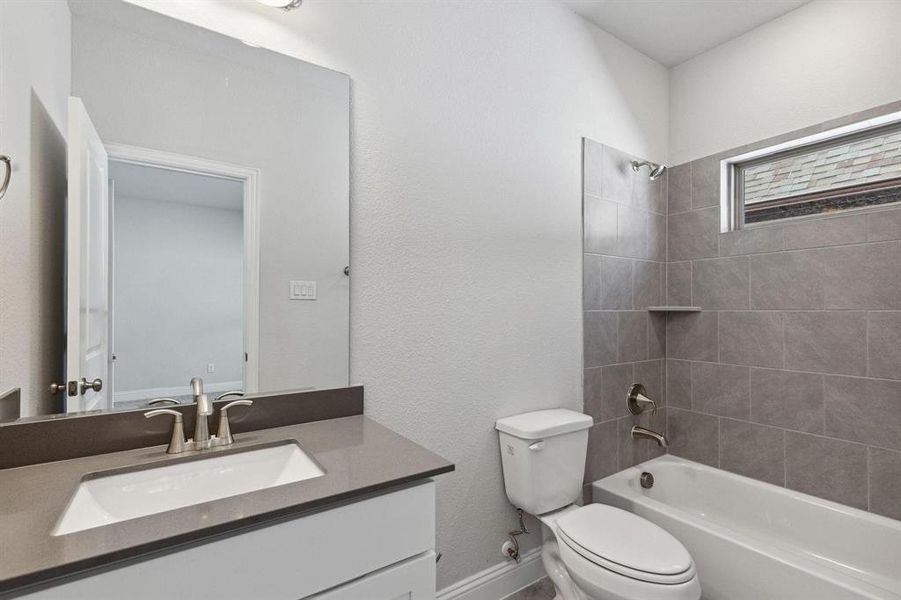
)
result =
(592, 552)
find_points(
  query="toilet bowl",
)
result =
(592, 552)
(600, 552)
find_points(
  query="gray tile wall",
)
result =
(624, 272)
(791, 373)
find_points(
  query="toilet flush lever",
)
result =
(537, 446)
(639, 402)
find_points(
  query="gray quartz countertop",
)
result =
(359, 457)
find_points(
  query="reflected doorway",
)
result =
(180, 280)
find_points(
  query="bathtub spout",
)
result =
(641, 432)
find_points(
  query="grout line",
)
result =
(749, 394)
(766, 310)
(866, 327)
(626, 362)
(787, 370)
(806, 249)
(794, 431)
(647, 342)
(718, 449)
(619, 453)
(718, 345)
(691, 282)
(868, 479)
(617, 310)
(719, 250)
(618, 357)
(847, 213)
(750, 287)
(719, 440)
(784, 459)
(632, 282)
(691, 387)
(691, 200)
(823, 403)
(666, 225)
(784, 350)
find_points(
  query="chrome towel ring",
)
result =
(9, 171)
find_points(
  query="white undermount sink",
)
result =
(105, 499)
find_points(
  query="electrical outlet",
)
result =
(211, 367)
(302, 290)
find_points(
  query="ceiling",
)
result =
(165, 185)
(673, 31)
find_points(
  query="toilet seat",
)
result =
(626, 544)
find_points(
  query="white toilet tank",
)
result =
(543, 454)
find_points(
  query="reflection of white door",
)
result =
(87, 248)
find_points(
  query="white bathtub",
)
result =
(757, 541)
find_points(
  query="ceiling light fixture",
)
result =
(283, 4)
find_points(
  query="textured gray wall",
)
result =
(162, 339)
(792, 372)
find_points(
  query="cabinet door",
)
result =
(285, 561)
(413, 579)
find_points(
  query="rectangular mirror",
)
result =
(193, 192)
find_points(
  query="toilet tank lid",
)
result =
(543, 423)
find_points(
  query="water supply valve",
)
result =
(510, 548)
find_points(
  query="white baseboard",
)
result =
(181, 390)
(498, 581)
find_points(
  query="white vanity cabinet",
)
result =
(377, 548)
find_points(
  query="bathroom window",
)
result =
(854, 167)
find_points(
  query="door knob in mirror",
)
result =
(95, 385)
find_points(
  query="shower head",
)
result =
(655, 169)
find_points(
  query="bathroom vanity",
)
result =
(361, 525)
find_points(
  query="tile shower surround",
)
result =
(624, 273)
(791, 373)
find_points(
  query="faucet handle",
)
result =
(224, 434)
(638, 401)
(163, 402)
(177, 441)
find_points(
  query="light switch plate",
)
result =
(302, 290)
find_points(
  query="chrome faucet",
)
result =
(202, 439)
(642, 432)
(204, 410)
